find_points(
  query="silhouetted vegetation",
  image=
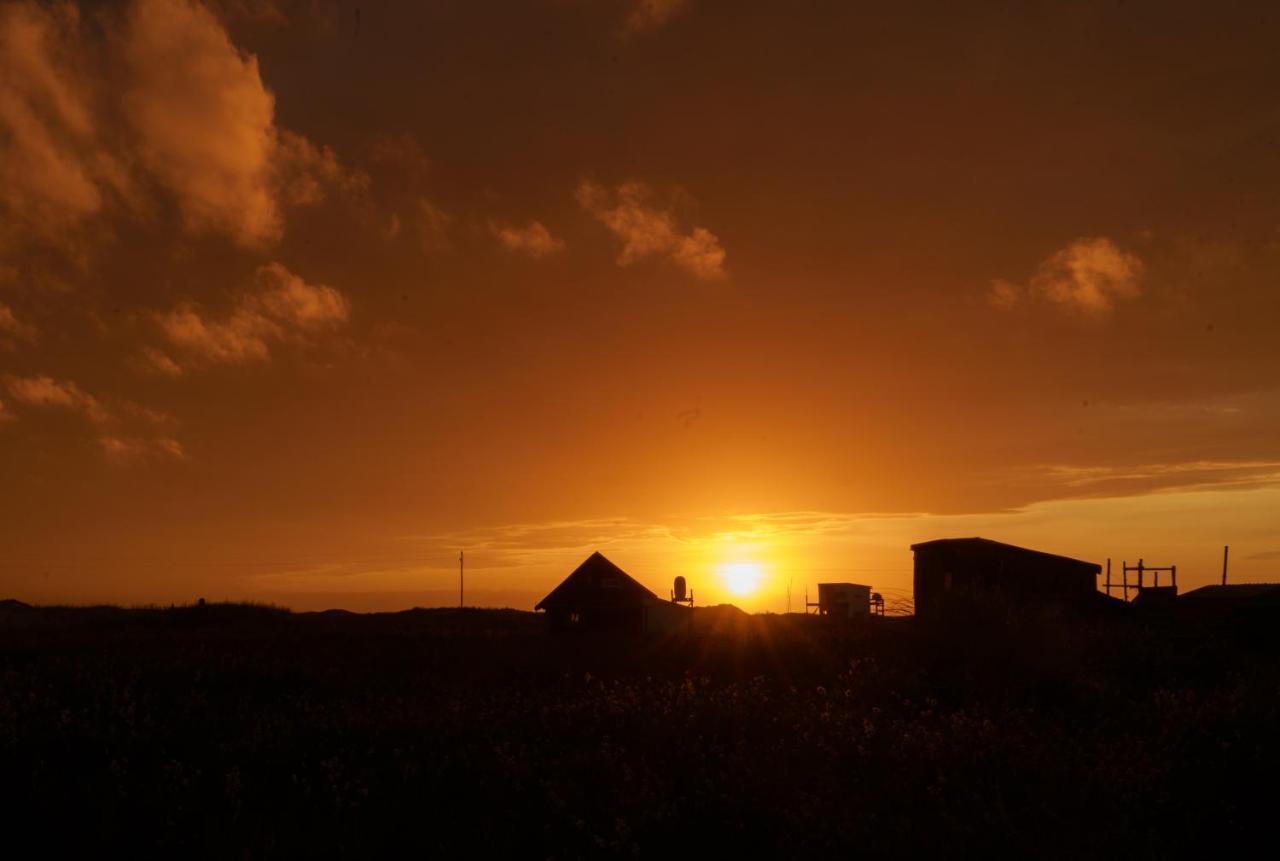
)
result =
(250, 731)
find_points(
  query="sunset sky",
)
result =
(298, 300)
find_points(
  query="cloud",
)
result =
(161, 362)
(126, 429)
(97, 119)
(5, 415)
(433, 226)
(12, 329)
(647, 231)
(43, 391)
(648, 16)
(1089, 276)
(1164, 477)
(533, 239)
(701, 253)
(203, 117)
(56, 168)
(280, 307)
(1005, 295)
(307, 173)
(392, 228)
(132, 448)
(401, 153)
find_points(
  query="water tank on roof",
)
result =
(678, 590)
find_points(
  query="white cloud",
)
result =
(280, 307)
(533, 239)
(648, 231)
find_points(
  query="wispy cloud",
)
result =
(1089, 276)
(133, 448)
(56, 167)
(648, 16)
(124, 429)
(41, 391)
(13, 330)
(534, 239)
(648, 231)
(280, 307)
(1178, 475)
(433, 226)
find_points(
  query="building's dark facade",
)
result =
(600, 596)
(1234, 602)
(955, 573)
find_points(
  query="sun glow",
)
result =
(741, 578)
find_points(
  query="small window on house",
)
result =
(575, 618)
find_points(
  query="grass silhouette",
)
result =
(249, 730)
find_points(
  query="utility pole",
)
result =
(461, 581)
(1225, 548)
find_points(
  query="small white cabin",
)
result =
(845, 600)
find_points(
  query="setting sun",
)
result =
(741, 578)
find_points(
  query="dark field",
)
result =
(251, 732)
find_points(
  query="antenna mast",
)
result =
(460, 581)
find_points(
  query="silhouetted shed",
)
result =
(953, 573)
(600, 596)
(844, 600)
(1233, 600)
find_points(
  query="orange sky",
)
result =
(296, 302)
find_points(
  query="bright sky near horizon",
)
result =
(299, 299)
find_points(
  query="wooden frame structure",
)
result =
(1141, 570)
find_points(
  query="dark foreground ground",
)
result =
(251, 732)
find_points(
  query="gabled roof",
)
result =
(987, 545)
(597, 582)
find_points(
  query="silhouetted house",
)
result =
(1233, 601)
(1156, 599)
(955, 574)
(600, 596)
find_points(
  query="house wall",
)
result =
(619, 619)
(844, 599)
(949, 576)
(667, 619)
